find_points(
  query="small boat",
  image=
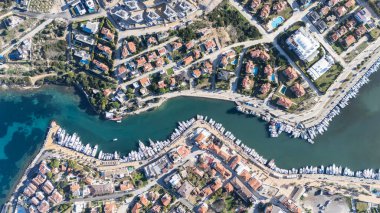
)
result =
(115, 139)
(118, 121)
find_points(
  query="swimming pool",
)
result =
(283, 89)
(234, 62)
(277, 21)
(273, 77)
(255, 70)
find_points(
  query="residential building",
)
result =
(320, 67)
(304, 45)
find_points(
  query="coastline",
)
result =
(23, 176)
(304, 174)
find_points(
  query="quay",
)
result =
(267, 171)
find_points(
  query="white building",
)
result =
(13, 21)
(363, 16)
(85, 39)
(170, 13)
(304, 45)
(137, 18)
(91, 27)
(132, 5)
(152, 15)
(320, 67)
(122, 14)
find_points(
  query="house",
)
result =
(84, 39)
(320, 67)
(265, 88)
(170, 14)
(144, 201)
(132, 4)
(303, 44)
(110, 207)
(265, 11)
(107, 34)
(55, 197)
(151, 41)
(332, 3)
(350, 24)
(279, 6)
(75, 189)
(162, 51)
(203, 208)
(324, 10)
(290, 204)
(90, 27)
(105, 49)
(334, 36)
(255, 4)
(156, 209)
(161, 84)
(363, 16)
(197, 54)
(284, 102)
(350, 3)
(229, 188)
(314, 16)
(44, 206)
(190, 45)
(152, 56)
(246, 83)
(263, 55)
(291, 73)
(166, 199)
(121, 71)
(140, 61)
(342, 30)
(145, 82)
(138, 18)
(209, 45)
(176, 45)
(124, 52)
(160, 62)
(136, 208)
(188, 60)
(241, 189)
(147, 67)
(217, 184)
(249, 67)
(254, 184)
(298, 90)
(349, 40)
(152, 15)
(48, 187)
(131, 47)
(268, 70)
(360, 31)
(196, 73)
(340, 11)
(100, 65)
(206, 191)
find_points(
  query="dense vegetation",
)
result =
(227, 16)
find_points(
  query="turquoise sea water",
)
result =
(353, 139)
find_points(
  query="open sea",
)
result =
(352, 140)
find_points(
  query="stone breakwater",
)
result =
(276, 127)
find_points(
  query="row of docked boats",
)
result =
(309, 134)
(290, 173)
(73, 142)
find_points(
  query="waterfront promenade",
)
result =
(335, 184)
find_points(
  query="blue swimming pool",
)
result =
(277, 21)
(283, 89)
(255, 70)
(273, 77)
(234, 62)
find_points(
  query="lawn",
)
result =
(351, 55)
(361, 207)
(324, 82)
